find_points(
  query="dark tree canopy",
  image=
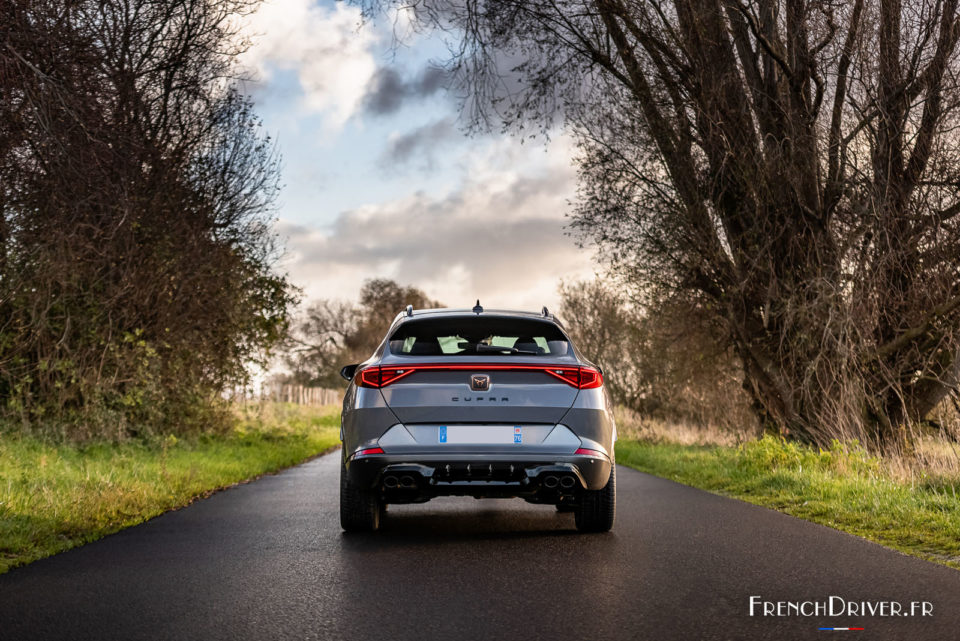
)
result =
(790, 168)
(136, 257)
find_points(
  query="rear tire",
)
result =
(597, 509)
(360, 508)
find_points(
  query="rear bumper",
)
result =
(411, 478)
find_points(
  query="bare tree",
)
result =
(608, 332)
(663, 361)
(789, 167)
(330, 334)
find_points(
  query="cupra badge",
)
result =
(479, 382)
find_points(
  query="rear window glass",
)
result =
(478, 336)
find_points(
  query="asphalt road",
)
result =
(267, 560)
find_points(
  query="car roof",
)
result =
(451, 311)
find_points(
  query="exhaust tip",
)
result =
(567, 482)
(407, 481)
(390, 482)
(550, 482)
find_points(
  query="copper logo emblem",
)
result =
(480, 382)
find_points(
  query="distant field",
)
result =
(904, 506)
(55, 496)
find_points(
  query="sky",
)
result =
(380, 179)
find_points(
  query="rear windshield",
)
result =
(478, 336)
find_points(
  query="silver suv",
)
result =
(484, 403)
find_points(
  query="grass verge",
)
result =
(843, 488)
(55, 496)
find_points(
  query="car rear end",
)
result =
(488, 404)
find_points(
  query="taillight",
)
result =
(369, 377)
(585, 452)
(579, 377)
(367, 452)
(391, 374)
(569, 375)
(590, 378)
(381, 376)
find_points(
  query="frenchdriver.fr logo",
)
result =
(837, 606)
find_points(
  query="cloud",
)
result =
(389, 91)
(328, 48)
(420, 142)
(499, 236)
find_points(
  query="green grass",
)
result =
(55, 496)
(843, 488)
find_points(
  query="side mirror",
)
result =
(347, 371)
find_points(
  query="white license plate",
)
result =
(480, 434)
